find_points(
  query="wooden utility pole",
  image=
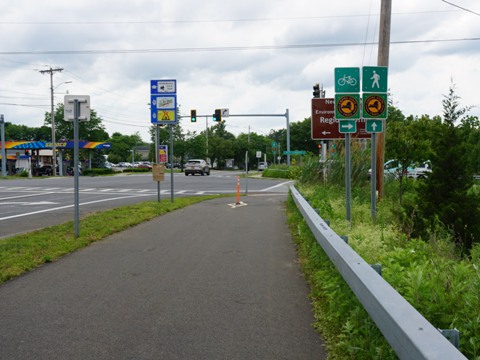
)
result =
(382, 60)
(51, 71)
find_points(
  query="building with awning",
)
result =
(20, 153)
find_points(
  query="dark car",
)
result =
(43, 170)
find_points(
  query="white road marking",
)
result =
(61, 207)
(276, 186)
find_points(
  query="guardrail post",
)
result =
(453, 335)
(377, 268)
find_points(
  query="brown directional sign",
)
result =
(326, 127)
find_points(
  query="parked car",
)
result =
(143, 165)
(392, 170)
(125, 164)
(421, 171)
(262, 166)
(197, 166)
(43, 170)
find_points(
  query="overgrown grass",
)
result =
(282, 172)
(429, 273)
(22, 253)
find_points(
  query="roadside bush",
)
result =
(276, 171)
(136, 170)
(24, 173)
(97, 171)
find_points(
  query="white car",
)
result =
(262, 166)
(197, 166)
(421, 171)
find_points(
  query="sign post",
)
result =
(375, 109)
(76, 108)
(347, 110)
(163, 110)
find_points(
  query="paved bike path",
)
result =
(205, 282)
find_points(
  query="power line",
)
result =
(473, 12)
(146, 22)
(223, 48)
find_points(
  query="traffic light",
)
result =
(193, 115)
(218, 115)
(316, 90)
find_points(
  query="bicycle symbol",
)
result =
(347, 80)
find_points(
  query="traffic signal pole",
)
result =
(287, 117)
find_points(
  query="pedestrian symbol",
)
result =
(374, 79)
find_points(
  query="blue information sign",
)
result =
(163, 101)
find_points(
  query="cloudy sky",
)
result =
(252, 57)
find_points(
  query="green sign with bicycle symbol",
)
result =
(347, 80)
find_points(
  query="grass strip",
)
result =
(22, 253)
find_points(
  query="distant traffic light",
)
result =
(316, 90)
(218, 115)
(193, 115)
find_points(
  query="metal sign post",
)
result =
(76, 216)
(348, 177)
(76, 108)
(157, 156)
(373, 178)
(171, 163)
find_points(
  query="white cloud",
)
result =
(248, 80)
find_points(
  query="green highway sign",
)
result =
(347, 126)
(295, 152)
(347, 80)
(375, 106)
(374, 126)
(347, 106)
(374, 79)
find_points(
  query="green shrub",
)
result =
(429, 272)
(97, 171)
(136, 170)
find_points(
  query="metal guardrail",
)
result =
(411, 336)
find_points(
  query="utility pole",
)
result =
(4, 152)
(382, 60)
(51, 71)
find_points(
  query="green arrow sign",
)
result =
(374, 79)
(347, 126)
(374, 126)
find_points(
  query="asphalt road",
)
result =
(29, 204)
(211, 281)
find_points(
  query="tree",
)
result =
(221, 144)
(23, 132)
(445, 196)
(407, 143)
(122, 146)
(301, 136)
(92, 130)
